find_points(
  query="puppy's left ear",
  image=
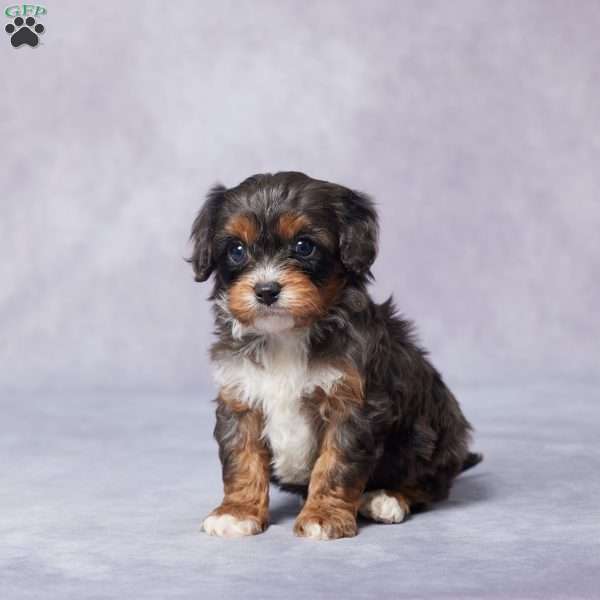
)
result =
(203, 231)
(359, 232)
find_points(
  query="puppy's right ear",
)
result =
(203, 231)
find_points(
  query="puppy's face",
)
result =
(282, 248)
(280, 269)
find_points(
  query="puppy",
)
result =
(322, 391)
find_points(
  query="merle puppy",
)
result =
(322, 391)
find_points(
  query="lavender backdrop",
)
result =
(475, 125)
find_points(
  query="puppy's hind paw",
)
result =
(382, 507)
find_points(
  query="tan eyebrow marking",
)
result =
(243, 227)
(290, 224)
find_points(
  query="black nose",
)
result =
(267, 293)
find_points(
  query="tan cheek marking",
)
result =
(290, 224)
(241, 300)
(243, 227)
(302, 296)
(305, 301)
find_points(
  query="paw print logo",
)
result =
(24, 32)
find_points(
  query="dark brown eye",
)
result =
(236, 252)
(304, 247)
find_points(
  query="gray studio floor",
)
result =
(102, 496)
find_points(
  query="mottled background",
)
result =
(475, 125)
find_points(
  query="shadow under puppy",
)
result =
(322, 391)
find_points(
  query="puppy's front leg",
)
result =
(335, 488)
(245, 461)
(338, 479)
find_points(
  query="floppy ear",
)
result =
(359, 232)
(203, 231)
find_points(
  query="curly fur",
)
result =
(344, 400)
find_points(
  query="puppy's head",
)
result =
(282, 248)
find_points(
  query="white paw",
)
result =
(380, 507)
(315, 532)
(228, 526)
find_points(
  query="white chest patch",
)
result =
(277, 386)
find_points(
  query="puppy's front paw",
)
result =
(233, 520)
(328, 524)
(228, 526)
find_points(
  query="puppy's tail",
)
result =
(473, 458)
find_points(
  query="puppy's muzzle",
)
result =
(267, 293)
